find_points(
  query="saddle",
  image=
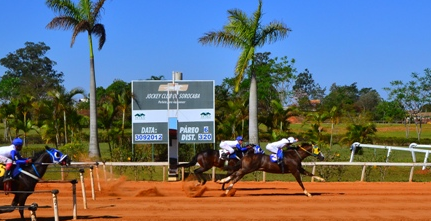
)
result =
(230, 156)
(7, 186)
(15, 171)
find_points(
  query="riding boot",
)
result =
(223, 156)
(281, 164)
(279, 161)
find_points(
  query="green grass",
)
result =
(383, 130)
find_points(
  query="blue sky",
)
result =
(371, 42)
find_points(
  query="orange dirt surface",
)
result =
(142, 200)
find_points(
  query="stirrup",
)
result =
(224, 156)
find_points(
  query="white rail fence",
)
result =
(364, 165)
(413, 148)
(34, 206)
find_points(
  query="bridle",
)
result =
(56, 156)
(315, 152)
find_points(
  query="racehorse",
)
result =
(29, 175)
(291, 163)
(210, 158)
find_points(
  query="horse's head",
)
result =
(58, 157)
(313, 150)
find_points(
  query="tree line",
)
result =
(33, 98)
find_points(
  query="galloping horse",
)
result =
(291, 163)
(208, 159)
(31, 174)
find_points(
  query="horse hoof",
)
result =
(231, 192)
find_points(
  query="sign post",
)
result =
(154, 102)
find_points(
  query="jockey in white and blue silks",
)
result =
(10, 154)
(228, 145)
(278, 145)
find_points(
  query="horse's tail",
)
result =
(191, 163)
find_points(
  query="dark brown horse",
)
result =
(291, 164)
(210, 158)
(25, 182)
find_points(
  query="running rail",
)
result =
(412, 149)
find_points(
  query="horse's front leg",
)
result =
(235, 178)
(297, 176)
(199, 175)
(303, 171)
(225, 180)
(21, 202)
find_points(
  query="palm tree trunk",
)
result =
(25, 124)
(253, 125)
(122, 126)
(94, 151)
(65, 127)
(6, 126)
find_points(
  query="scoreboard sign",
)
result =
(191, 102)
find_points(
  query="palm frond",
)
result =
(99, 31)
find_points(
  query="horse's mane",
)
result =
(292, 148)
(38, 154)
(295, 147)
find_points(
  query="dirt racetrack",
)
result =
(127, 200)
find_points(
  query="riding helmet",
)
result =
(239, 138)
(291, 140)
(17, 141)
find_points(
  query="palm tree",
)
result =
(83, 17)
(247, 34)
(6, 111)
(123, 104)
(23, 106)
(63, 102)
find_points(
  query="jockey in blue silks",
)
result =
(277, 148)
(228, 145)
(10, 154)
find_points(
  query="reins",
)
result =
(302, 148)
(31, 175)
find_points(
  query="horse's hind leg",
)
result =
(199, 174)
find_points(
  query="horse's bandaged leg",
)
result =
(318, 178)
(224, 180)
(307, 193)
(229, 188)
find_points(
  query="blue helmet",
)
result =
(17, 141)
(239, 138)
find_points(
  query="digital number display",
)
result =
(205, 136)
(148, 137)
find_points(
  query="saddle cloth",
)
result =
(273, 157)
(15, 171)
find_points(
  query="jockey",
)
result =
(10, 154)
(228, 145)
(275, 146)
